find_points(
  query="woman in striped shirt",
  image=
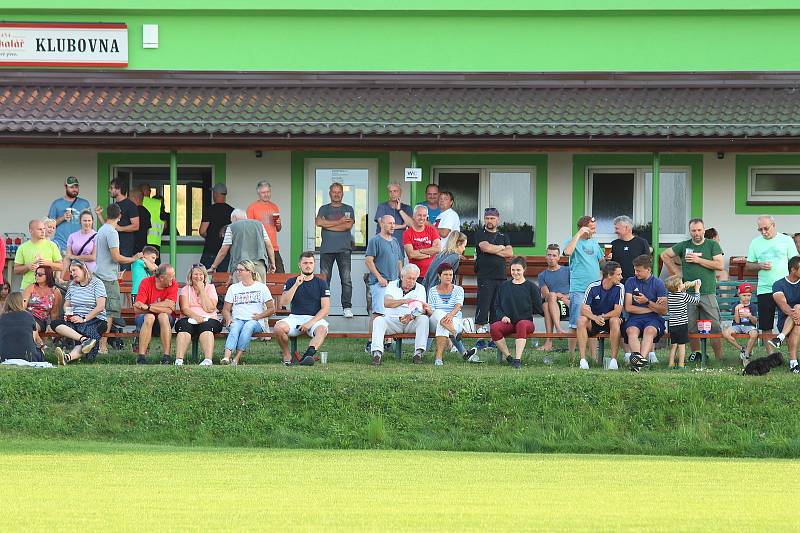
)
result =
(84, 314)
(446, 300)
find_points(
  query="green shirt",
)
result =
(778, 250)
(28, 251)
(691, 271)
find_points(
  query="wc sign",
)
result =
(33, 44)
(413, 174)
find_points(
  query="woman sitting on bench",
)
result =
(17, 327)
(446, 300)
(247, 306)
(198, 304)
(84, 314)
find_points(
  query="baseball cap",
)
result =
(219, 188)
(745, 288)
(584, 220)
(71, 180)
(491, 212)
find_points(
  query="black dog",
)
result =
(762, 365)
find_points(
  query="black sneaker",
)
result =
(775, 343)
(140, 360)
(307, 360)
(795, 369)
(376, 360)
(87, 345)
(637, 362)
(516, 363)
(469, 353)
(310, 351)
(509, 360)
(417, 359)
(165, 360)
(368, 348)
(695, 356)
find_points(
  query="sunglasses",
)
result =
(41, 274)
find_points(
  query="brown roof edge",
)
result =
(395, 79)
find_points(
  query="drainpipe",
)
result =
(173, 208)
(413, 201)
(656, 205)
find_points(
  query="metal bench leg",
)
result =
(195, 348)
(601, 348)
(703, 347)
(292, 346)
(398, 349)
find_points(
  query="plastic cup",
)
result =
(607, 250)
(323, 358)
(68, 311)
(276, 217)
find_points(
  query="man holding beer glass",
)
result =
(267, 212)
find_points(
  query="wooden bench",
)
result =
(467, 277)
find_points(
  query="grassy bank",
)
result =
(468, 408)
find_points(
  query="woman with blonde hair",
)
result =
(84, 314)
(198, 304)
(49, 228)
(17, 328)
(248, 303)
(451, 254)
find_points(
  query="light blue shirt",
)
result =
(584, 264)
(66, 228)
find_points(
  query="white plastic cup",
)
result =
(323, 358)
(68, 311)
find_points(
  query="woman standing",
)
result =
(16, 331)
(446, 300)
(247, 305)
(84, 314)
(517, 301)
(198, 304)
(42, 299)
(80, 244)
(451, 254)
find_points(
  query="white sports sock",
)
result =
(781, 336)
(792, 363)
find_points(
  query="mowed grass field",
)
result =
(69, 486)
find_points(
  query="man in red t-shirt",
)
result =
(421, 240)
(155, 303)
(268, 213)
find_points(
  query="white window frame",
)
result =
(775, 196)
(639, 199)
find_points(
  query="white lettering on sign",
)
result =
(413, 174)
(63, 44)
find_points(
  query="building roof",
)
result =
(376, 108)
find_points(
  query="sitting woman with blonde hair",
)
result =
(248, 303)
(198, 304)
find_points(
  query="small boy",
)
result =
(143, 268)
(744, 321)
(677, 304)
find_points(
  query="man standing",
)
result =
(432, 202)
(492, 248)
(154, 206)
(627, 246)
(309, 299)
(421, 240)
(769, 254)
(585, 256)
(246, 239)
(554, 284)
(406, 311)
(384, 259)
(401, 213)
(336, 221)
(212, 228)
(140, 235)
(601, 312)
(35, 253)
(700, 258)
(65, 212)
(128, 221)
(645, 303)
(108, 260)
(267, 212)
(155, 304)
(448, 219)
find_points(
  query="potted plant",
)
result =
(518, 234)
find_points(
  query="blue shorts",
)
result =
(643, 321)
(377, 293)
(575, 304)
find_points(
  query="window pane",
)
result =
(465, 186)
(612, 196)
(510, 192)
(355, 182)
(771, 183)
(673, 202)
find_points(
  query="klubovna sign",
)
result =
(28, 44)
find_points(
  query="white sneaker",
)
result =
(178, 362)
(483, 329)
(612, 365)
(652, 358)
(438, 362)
(206, 362)
(584, 364)
(454, 350)
(348, 313)
(474, 359)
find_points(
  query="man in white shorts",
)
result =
(309, 300)
(406, 311)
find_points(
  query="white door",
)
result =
(359, 178)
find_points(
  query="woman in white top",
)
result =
(446, 300)
(198, 304)
(247, 306)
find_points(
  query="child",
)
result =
(744, 320)
(677, 304)
(142, 268)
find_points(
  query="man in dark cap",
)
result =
(492, 248)
(212, 227)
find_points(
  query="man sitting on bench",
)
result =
(310, 300)
(601, 311)
(155, 303)
(645, 303)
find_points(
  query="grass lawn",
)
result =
(67, 486)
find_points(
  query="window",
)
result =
(194, 184)
(773, 185)
(510, 190)
(629, 191)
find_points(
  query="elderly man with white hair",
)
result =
(246, 239)
(627, 246)
(406, 311)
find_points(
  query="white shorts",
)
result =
(295, 321)
(441, 331)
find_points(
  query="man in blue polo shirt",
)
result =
(309, 299)
(601, 312)
(645, 303)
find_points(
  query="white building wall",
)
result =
(560, 223)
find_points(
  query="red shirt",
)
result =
(418, 241)
(150, 294)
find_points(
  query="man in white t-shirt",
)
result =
(448, 219)
(406, 311)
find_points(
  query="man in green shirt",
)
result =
(769, 254)
(700, 258)
(35, 253)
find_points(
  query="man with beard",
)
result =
(492, 248)
(65, 211)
